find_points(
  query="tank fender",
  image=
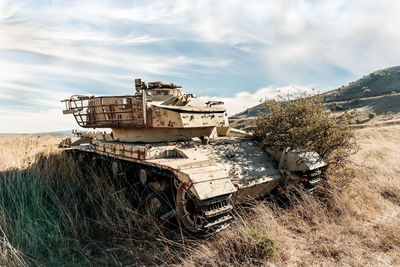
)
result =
(304, 161)
(209, 189)
(206, 181)
(297, 160)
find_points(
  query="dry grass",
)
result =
(19, 152)
(353, 221)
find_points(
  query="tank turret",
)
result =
(157, 112)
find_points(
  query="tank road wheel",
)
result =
(202, 218)
(157, 205)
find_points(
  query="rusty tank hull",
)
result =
(181, 151)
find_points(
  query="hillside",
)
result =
(378, 83)
(370, 100)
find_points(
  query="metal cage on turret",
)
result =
(107, 111)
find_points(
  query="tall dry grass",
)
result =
(54, 212)
(56, 209)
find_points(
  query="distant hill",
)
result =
(66, 132)
(57, 133)
(378, 83)
(374, 97)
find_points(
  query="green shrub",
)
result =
(247, 245)
(366, 91)
(355, 102)
(259, 239)
(372, 115)
(336, 107)
(304, 123)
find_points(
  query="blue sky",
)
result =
(237, 51)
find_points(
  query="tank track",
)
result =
(314, 179)
(216, 213)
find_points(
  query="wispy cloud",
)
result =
(51, 49)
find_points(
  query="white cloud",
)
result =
(243, 100)
(35, 122)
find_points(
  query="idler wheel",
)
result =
(189, 210)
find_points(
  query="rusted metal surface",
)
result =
(170, 114)
(297, 160)
(152, 135)
(246, 163)
(106, 111)
(206, 166)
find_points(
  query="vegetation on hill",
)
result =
(378, 83)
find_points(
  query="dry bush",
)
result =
(302, 122)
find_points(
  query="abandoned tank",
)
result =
(181, 151)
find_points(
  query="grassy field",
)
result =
(53, 211)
